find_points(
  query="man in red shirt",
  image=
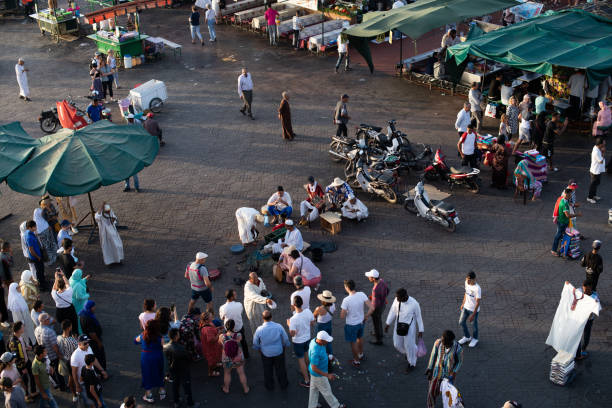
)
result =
(270, 16)
(379, 301)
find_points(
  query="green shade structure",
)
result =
(15, 148)
(419, 18)
(569, 38)
(73, 162)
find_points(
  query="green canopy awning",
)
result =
(419, 18)
(569, 38)
(15, 148)
(73, 162)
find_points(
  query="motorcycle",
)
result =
(432, 210)
(379, 182)
(396, 143)
(49, 119)
(439, 169)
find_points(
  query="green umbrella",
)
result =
(15, 148)
(73, 162)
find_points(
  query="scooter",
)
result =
(438, 169)
(376, 182)
(432, 210)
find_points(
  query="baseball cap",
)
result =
(201, 255)
(597, 244)
(150, 115)
(373, 273)
(323, 335)
(289, 222)
(130, 116)
(65, 223)
(83, 338)
(7, 357)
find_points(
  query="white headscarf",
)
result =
(24, 243)
(41, 223)
(16, 302)
(27, 277)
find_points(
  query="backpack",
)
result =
(230, 347)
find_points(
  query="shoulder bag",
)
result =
(401, 328)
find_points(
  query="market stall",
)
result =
(128, 41)
(327, 39)
(57, 22)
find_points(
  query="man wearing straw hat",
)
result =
(319, 377)
(337, 193)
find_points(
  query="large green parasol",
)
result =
(15, 148)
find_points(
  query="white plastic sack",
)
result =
(491, 111)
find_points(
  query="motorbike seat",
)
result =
(441, 205)
(460, 170)
(374, 128)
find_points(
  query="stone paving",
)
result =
(216, 160)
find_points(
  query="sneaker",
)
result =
(356, 363)
(473, 343)
(597, 198)
(148, 398)
(464, 340)
(75, 399)
(591, 200)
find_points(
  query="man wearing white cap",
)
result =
(197, 274)
(247, 219)
(380, 291)
(22, 80)
(319, 377)
(337, 193)
(354, 209)
(293, 236)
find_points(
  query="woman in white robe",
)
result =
(22, 80)
(19, 309)
(409, 312)
(247, 219)
(112, 246)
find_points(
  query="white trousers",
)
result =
(321, 385)
(305, 206)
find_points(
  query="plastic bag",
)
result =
(491, 111)
(421, 349)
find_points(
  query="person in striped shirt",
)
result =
(444, 362)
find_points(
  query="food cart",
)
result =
(128, 43)
(56, 22)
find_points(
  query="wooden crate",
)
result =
(331, 222)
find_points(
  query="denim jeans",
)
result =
(558, 236)
(273, 34)
(211, 30)
(463, 323)
(48, 402)
(195, 31)
(136, 183)
(341, 56)
(285, 211)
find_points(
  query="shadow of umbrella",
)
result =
(15, 148)
(73, 162)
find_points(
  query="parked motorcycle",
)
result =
(432, 210)
(379, 182)
(49, 119)
(396, 143)
(439, 169)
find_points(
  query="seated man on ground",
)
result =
(279, 205)
(304, 267)
(313, 204)
(353, 208)
(337, 193)
(293, 236)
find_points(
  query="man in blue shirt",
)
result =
(271, 339)
(35, 254)
(94, 111)
(319, 377)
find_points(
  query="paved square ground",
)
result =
(216, 160)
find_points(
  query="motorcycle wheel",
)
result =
(410, 206)
(335, 146)
(431, 176)
(451, 226)
(389, 195)
(48, 125)
(474, 187)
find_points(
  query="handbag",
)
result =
(402, 328)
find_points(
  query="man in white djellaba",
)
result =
(405, 309)
(22, 79)
(247, 219)
(112, 247)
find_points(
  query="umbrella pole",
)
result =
(91, 227)
(401, 61)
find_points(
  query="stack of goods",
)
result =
(570, 246)
(536, 164)
(128, 35)
(484, 142)
(109, 35)
(562, 368)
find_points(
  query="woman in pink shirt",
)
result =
(149, 307)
